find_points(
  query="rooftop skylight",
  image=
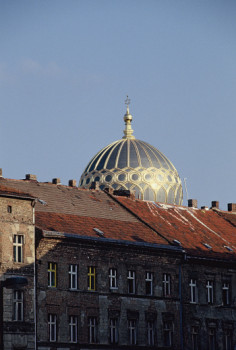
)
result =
(176, 241)
(228, 248)
(98, 232)
(207, 245)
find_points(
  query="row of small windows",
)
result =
(131, 283)
(210, 293)
(113, 279)
(132, 330)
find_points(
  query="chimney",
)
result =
(72, 183)
(31, 177)
(232, 207)
(192, 203)
(215, 204)
(204, 207)
(108, 190)
(94, 185)
(56, 181)
(0, 172)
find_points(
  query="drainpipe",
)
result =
(181, 308)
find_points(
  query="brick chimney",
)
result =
(232, 207)
(72, 183)
(0, 172)
(215, 204)
(31, 177)
(94, 186)
(56, 181)
(192, 203)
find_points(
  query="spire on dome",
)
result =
(128, 132)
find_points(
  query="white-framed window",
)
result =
(73, 329)
(113, 278)
(92, 330)
(52, 327)
(150, 333)
(210, 292)
(18, 305)
(18, 241)
(132, 328)
(52, 274)
(73, 277)
(149, 283)
(114, 330)
(193, 291)
(166, 284)
(131, 282)
(168, 333)
(195, 337)
(226, 293)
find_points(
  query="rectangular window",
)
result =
(91, 278)
(168, 333)
(149, 283)
(166, 283)
(132, 328)
(92, 330)
(228, 339)
(52, 274)
(131, 282)
(18, 305)
(150, 333)
(195, 338)
(18, 248)
(113, 330)
(193, 291)
(113, 278)
(226, 293)
(211, 339)
(73, 329)
(73, 277)
(52, 327)
(210, 291)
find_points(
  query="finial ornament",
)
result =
(128, 132)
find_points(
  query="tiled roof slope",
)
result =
(192, 227)
(6, 191)
(229, 216)
(84, 226)
(70, 200)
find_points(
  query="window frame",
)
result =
(195, 337)
(166, 284)
(113, 278)
(73, 329)
(193, 291)
(210, 291)
(131, 282)
(114, 330)
(73, 277)
(168, 333)
(211, 337)
(18, 305)
(149, 276)
(226, 293)
(132, 331)
(18, 244)
(92, 278)
(92, 330)
(52, 274)
(52, 328)
(151, 333)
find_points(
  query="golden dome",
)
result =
(134, 165)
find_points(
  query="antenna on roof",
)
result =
(185, 185)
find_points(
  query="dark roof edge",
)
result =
(55, 234)
(19, 196)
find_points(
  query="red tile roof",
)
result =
(84, 226)
(193, 228)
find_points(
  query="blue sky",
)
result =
(67, 66)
